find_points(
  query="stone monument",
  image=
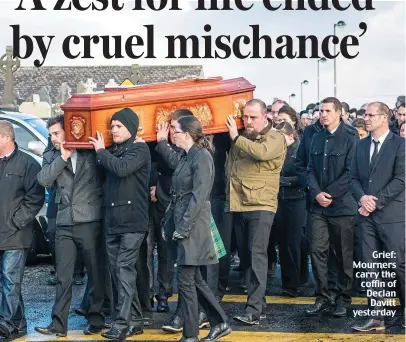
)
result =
(37, 107)
(8, 66)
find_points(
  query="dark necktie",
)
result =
(375, 154)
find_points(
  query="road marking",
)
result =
(235, 336)
(281, 300)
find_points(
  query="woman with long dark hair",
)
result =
(288, 114)
(187, 222)
(291, 215)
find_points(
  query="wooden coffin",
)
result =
(211, 101)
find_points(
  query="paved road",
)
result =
(285, 320)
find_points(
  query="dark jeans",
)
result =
(193, 291)
(51, 234)
(86, 237)
(166, 269)
(288, 223)
(338, 231)
(123, 251)
(388, 237)
(253, 230)
(12, 273)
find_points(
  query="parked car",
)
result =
(31, 135)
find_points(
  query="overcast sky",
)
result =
(378, 73)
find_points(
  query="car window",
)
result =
(22, 135)
(40, 125)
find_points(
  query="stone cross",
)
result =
(8, 66)
(90, 86)
(136, 75)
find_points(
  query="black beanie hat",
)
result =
(129, 119)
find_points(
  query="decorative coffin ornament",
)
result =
(211, 100)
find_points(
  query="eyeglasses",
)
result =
(370, 116)
(177, 132)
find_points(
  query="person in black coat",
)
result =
(291, 215)
(378, 184)
(187, 221)
(333, 209)
(126, 191)
(21, 199)
(302, 161)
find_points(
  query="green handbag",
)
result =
(217, 241)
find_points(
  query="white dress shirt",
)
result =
(74, 159)
(381, 141)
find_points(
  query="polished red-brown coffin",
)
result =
(211, 101)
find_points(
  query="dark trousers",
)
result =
(289, 220)
(166, 270)
(332, 272)
(12, 273)
(356, 284)
(143, 277)
(253, 230)
(107, 307)
(51, 234)
(273, 242)
(340, 232)
(123, 251)
(194, 291)
(217, 274)
(389, 238)
(87, 238)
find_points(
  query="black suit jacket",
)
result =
(386, 180)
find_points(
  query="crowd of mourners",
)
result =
(320, 188)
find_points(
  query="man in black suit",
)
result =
(378, 184)
(333, 209)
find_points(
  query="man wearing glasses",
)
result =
(377, 181)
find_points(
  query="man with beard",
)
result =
(126, 190)
(253, 172)
(79, 195)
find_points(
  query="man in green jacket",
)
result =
(253, 170)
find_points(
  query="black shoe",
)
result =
(134, 330)
(52, 280)
(317, 308)
(5, 330)
(115, 334)
(80, 312)
(371, 325)
(50, 330)
(340, 311)
(203, 321)
(174, 326)
(189, 339)
(92, 330)
(217, 332)
(246, 318)
(162, 305)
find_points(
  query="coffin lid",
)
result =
(172, 91)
